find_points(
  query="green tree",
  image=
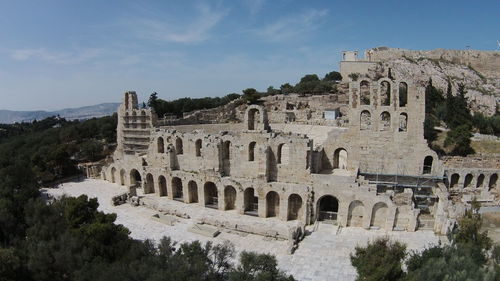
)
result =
(258, 267)
(251, 96)
(380, 260)
(459, 139)
(272, 91)
(10, 265)
(286, 88)
(333, 76)
(307, 84)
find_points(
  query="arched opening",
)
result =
(177, 189)
(468, 180)
(143, 119)
(427, 169)
(328, 208)
(162, 185)
(294, 207)
(364, 92)
(179, 149)
(127, 120)
(385, 93)
(150, 184)
(126, 101)
(355, 214)
(403, 94)
(250, 202)
(193, 192)
(135, 178)
(340, 159)
(365, 120)
(134, 119)
(211, 195)
(197, 145)
(271, 165)
(493, 182)
(122, 177)
(283, 154)
(379, 215)
(226, 158)
(251, 151)
(160, 145)
(226, 150)
(480, 181)
(253, 118)
(272, 204)
(454, 180)
(229, 198)
(385, 121)
(113, 175)
(403, 122)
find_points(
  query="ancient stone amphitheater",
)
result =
(356, 158)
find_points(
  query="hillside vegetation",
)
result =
(69, 239)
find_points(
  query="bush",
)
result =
(380, 260)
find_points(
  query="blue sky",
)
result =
(57, 54)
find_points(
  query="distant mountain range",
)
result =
(85, 112)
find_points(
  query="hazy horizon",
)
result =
(59, 54)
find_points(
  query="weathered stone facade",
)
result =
(372, 170)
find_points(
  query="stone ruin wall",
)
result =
(285, 164)
(486, 62)
(290, 108)
(477, 70)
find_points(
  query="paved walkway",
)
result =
(323, 255)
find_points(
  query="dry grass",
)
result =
(486, 147)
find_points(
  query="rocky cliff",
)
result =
(478, 70)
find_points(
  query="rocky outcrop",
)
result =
(479, 71)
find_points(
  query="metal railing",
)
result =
(327, 216)
(212, 202)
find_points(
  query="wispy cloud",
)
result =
(254, 6)
(63, 57)
(194, 31)
(290, 27)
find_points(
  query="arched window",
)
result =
(283, 154)
(162, 186)
(493, 182)
(403, 122)
(134, 119)
(385, 93)
(150, 184)
(253, 118)
(427, 169)
(161, 146)
(294, 207)
(178, 146)
(198, 147)
(365, 120)
(480, 181)
(177, 192)
(403, 94)
(385, 121)
(364, 92)
(226, 150)
(251, 151)
(454, 180)
(272, 204)
(340, 159)
(468, 180)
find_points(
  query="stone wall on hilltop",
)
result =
(478, 70)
